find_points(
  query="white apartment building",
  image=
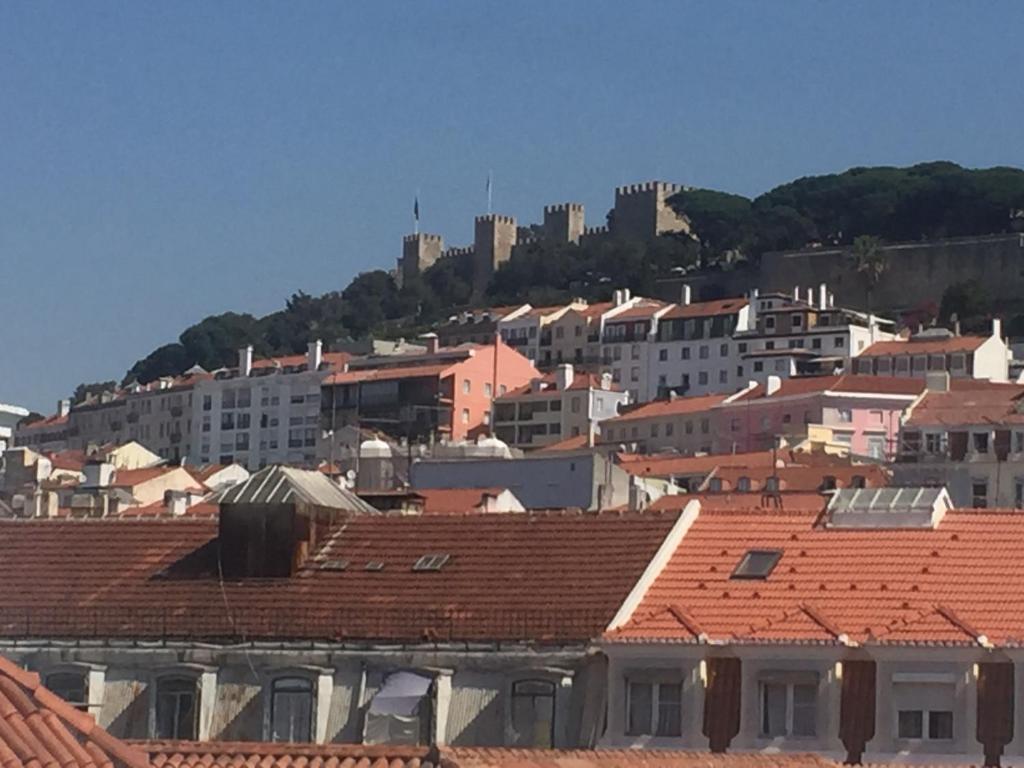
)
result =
(626, 332)
(262, 412)
(10, 415)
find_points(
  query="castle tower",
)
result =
(493, 239)
(419, 251)
(641, 211)
(563, 223)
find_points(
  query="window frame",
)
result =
(512, 697)
(655, 681)
(270, 688)
(791, 680)
(162, 677)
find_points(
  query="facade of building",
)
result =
(938, 350)
(160, 414)
(555, 406)
(10, 415)
(967, 436)
(262, 412)
(625, 335)
(682, 424)
(531, 332)
(575, 337)
(476, 326)
(446, 393)
(46, 434)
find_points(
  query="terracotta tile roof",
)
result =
(332, 359)
(202, 474)
(925, 346)
(661, 408)
(642, 310)
(68, 460)
(665, 465)
(537, 577)
(706, 308)
(390, 374)
(580, 381)
(577, 443)
(506, 757)
(595, 310)
(966, 404)
(130, 478)
(958, 583)
(40, 730)
(215, 754)
(735, 501)
(805, 478)
(454, 500)
(160, 509)
(848, 383)
(543, 311)
(49, 421)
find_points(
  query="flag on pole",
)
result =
(488, 191)
(416, 214)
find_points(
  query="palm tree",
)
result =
(871, 263)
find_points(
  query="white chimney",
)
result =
(563, 376)
(997, 327)
(810, 295)
(822, 296)
(773, 385)
(831, 299)
(796, 293)
(176, 503)
(625, 295)
(63, 408)
(685, 298)
(98, 474)
(314, 355)
(617, 298)
(606, 381)
(245, 361)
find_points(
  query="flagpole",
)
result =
(489, 185)
(416, 214)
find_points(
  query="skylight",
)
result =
(334, 565)
(757, 564)
(432, 562)
(374, 565)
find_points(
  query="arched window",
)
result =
(533, 713)
(73, 687)
(177, 708)
(291, 709)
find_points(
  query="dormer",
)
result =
(887, 508)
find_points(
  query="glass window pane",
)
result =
(70, 686)
(670, 709)
(176, 709)
(940, 725)
(805, 709)
(773, 709)
(640, 708)
(291, 710)
(533, 713)
(910, 724)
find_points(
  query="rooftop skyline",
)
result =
(164, 163)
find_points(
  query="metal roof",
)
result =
(288, 485)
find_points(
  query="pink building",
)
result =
(860, 414)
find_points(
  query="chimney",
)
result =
(936, 381)
(563, 376)
(625, 295)
(685, 298)
(314, 355)
(997, 327)
(831, 299)
(796, 293)
(822, 296)
(617, 298)
(176, 503)
(98, 474)
(606, 381)
(956, 327)
(810, 296)
(63, 408)
(773, 385)
(245, 361)
(431, 341)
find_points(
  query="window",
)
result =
(924, 710)
(798, 321)
(227, 398)
(291, 710)
(654, 709)
(227, 421)
(788, 707)
(876, 447)
(533, 713)
(634, 352)
(488, 389)
(73, 687)
(845, 415)
(669, 429)
(244, 421)
(757, 564)
(758, 366)
(1018, 493)
(702, 378)
(743, 484)
(979, 440)
(979, 493)
(662, 355)
(685, 353)
(816, 343)
(559, 332)
(769, 323)
(634, 374)
(705, 426)
(401, 711)
(654, 429)
(465, 415)
(242, 441)
(704, 352)
(838, 342)
(466, 386)
(723, 376)
(244, 397)
(177, 708)
(207, 402)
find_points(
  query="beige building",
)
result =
(556, 406)
(159, 414)
(682, 424)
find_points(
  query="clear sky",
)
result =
(162, 161)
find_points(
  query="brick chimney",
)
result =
(432, 342)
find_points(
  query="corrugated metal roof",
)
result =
(284, 485)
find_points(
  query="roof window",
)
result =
(334, 565)
(757, 564)
(432, 562)
(374, 565)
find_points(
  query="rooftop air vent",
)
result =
(430, 562)
(757, 564)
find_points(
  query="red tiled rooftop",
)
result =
(332, 359)
(735, 501)
(510, 757)
(48, 421)
(988, 404)
(848, 383)
(949, 585)
(804, 478)
(577, 443)
(643, 310)
(706, 308)
(447, 500)
(580, 381)
(68, 460)
(215, 754)
(539, 577)
(671, 407)
(925, 346)
(40, 730)
(666, 465)
(160, 509)
(390, 374)
(129, 478)
(592, 311)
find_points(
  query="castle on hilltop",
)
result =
(641, 212)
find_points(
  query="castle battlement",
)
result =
(421, 236)
(562, 207)
(497, 218)
(601, 230)
(648, 186)
(466, 250)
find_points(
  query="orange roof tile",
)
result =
(925, 346)
(672, 407)
(951, 584)
(49, 421)
(214, 754)
(510, 757)
(805, 478)
(448, 500)
(160, 509)
(580, 381)
(577, 443)
(38, 728)
(666, 465)
(539, 577)
(988, 403)
(332, 359)
(68, 460)
(390, 374)
(129, 478)
(706, 308)
(595, 310)
(848, 383)
(642, 310)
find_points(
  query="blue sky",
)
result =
(164, 161)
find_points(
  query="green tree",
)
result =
(83, 391)
(871, 263)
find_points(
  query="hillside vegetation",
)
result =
(925, 201)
